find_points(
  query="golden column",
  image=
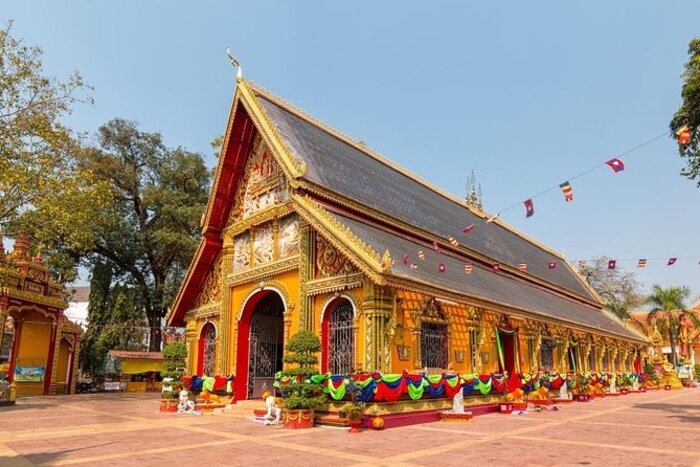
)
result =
(377, 305)
(225, 336)
(191, 342)
(306, 270)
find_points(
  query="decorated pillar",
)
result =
(191, 343)
(306, 270)
(74, 370)
(474, 328)
(52, 361)
(224, 336)
(376, 311)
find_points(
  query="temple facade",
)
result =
(39, 345)
(308, 229)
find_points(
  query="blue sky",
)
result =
(525, 93)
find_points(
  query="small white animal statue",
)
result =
(635, 384)
(457, 406)
(564, 390)
(186, 406)
(166, 385)
(272, 417)
(613, 384)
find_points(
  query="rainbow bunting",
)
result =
(453, 241)
(612, 264)
(468, 228)
(641, 263)
(522, 267)
(581, 264)
(616, 165)
(551, 264)
(671, 261)
(567, 190)
(421, 255)
(442, 267)
(683, 135)
(496, 267)
(467, 268)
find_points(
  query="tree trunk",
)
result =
(155, 335)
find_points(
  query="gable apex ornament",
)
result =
(236, 64)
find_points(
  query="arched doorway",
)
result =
(338, 337)
(207, 350)
(260, 344)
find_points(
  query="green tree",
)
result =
(620, 290)
(91, 353)
(148, 232)
(688, 114)
(664, 302)
(38, 164)
(302, 393)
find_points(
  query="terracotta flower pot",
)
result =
(299, 419)
(168, 405)
(355, 426)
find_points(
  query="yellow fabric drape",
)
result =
(136, 366)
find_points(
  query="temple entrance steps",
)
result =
(245, 408)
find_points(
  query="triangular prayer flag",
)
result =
(468, 228)
(491, 219)
(405, 259)
(616, 164)
(567, 190)
(612, 264)
(529, 207)
(551, 264)
(683, 135)
(641, 263)
(442, 267)
(468, 268)
(671, 261)
(522, 267)
(413, 266)
(581, 264)
(453, 241)
(421, 255)
(496, 267)
(436, 247)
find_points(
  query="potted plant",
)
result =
(581, 389)
(174, 357)
(354, 409)
(302, 396)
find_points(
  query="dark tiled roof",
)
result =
(344, 169)
(482, 282)
(132, 354)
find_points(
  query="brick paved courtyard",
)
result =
(657, 428)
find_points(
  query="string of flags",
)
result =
(616, 164)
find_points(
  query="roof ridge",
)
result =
(391, 164)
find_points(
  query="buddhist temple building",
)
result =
(39, 346)
(308, 229)
(686, 334)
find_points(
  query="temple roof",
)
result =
(338, 165)
(482, 283)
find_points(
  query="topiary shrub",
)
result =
(174, 360)
(301, 393)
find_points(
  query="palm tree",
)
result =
(664, 302)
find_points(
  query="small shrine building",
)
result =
(39, 345)
(307, 228)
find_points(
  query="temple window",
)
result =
(433, 345)
(6, 338)
(591, 360)
(547, 354)
(606, 360)
(207, 350)
(572, 357)
(531, 360)
(341, 337)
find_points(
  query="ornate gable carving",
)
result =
(329, 262)
(262, 184)
(211, 291)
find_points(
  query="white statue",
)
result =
(613, 383)
(457, 406)
(167, 385)
(272, 417)
(564, 390)
(186, 406)
(635, 384)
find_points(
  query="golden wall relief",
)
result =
(241, 252)
(289, 236)
(211, 290)
(329, 262)
(263, 244)
(262, 184)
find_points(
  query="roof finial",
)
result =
(236, 64)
